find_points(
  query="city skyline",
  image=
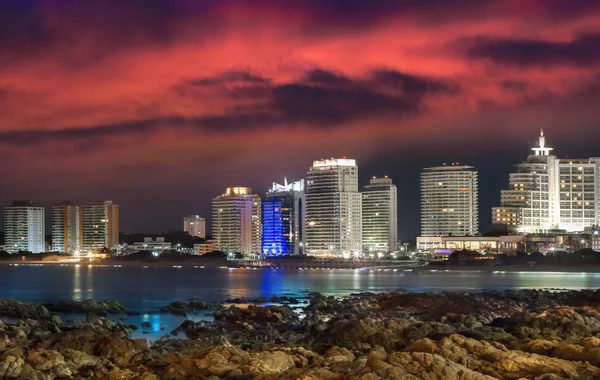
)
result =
(484, 224)
(159, 106)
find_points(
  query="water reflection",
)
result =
(148, 289)
(77, 283)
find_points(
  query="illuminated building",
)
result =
(449, 201)
(66, 228)
(549, 194)
(333, 209)
(194, 225)
(380, 216)
(99, 226)
(596, 239)
(236, 221)
(24, 227)
(203, 248)
(283, 222)
(156, 245)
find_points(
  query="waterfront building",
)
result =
(380, 216)
(24, 227)
(99, 226)
(596, 239)
(237, 221)
(155, 245)
(66, 228)
(333, 209)
(204, 248)
(283, 219)
(548, 194)
(195, 226)
(449, 201)
(445, 245)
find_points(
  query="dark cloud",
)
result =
(228, 78)
(320, 99)
(324, 77)
(583, 50)
(411, 84)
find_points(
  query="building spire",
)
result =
(541, 150)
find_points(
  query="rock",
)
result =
(15, 309)
(102, 308)
(338, 355)
(146, 325)
(11, 367)
(269, 363)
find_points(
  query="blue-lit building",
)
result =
(283, 221)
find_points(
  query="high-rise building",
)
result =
(237, 221)
(24, 227)
(449, 201)
(195, 226)
(100, 226)
(66, 228)
(550, 194)
(333, 209)
(380, 216)
(283, 219)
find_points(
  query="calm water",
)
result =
(145, 290)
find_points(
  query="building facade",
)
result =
(195, 226)
(333, 209)
(380, 216)
(100, 226)
(24, 227)
(155, 245)
(283, 219)
(203, 248)
(66, 228)
(548, 194)
(236, 221)
(449, 201)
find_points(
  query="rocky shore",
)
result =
(523, 334)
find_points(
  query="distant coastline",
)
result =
(195, 262)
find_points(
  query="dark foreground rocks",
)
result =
(193, 306)
(102, 308)
(464, 336)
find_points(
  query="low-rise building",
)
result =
(494, 244)
(159, 244)
(204, 248)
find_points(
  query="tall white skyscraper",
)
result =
(549, 194)
(24, 227)
(195, 226)
(380, 216)
(100, 226)
(449, 201)
(333, 209)
(66, 228)
(236, 222)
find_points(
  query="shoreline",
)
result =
(393, 335)
(412, 267)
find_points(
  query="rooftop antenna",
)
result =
(542, 150)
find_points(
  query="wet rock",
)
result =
(15, 309)
(183, 309)
(102, 308)
(11, 367)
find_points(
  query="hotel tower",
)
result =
(333, 209)
(449, 201)
(236, 221)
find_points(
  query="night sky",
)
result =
(159, 105)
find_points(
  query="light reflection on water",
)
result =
(145, 290)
